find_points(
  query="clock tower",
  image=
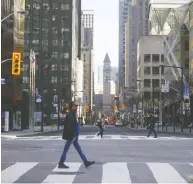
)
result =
(107, 85)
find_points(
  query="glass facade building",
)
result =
(52, 31)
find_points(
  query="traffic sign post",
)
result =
(165, 86)
(38, 99)
(2, 81)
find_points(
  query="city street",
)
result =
(168, 159)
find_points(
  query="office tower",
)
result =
(87, 56)
(123, 12)
(52, 30)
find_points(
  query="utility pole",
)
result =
(153, 95)
(58, 107)
(182, 98)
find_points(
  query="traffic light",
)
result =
(16, 63)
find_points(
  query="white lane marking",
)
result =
(191, 164)
(165, 173)
(116, 137)
(63, 178)
(116, 173)
(14, 172)
(82, 137)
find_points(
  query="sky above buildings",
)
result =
(106, 19)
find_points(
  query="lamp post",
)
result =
(23, 12)
(182, 89)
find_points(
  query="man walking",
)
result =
(100, 125)
(70, 134)
(152, 126)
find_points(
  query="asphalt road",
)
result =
(117, 161)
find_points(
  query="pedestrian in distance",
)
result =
(70, 134)
(100, 125)
(152, 126)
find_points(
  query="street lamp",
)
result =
(23, 12)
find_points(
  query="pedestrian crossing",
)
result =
(110, 172)
(94, 137)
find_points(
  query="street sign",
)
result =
(2, 81)
(165, 86)
(134, 108)
(38, 99)
(186, 92)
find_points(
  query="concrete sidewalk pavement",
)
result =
(37, 130)
(169, 129)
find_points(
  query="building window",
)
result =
(147, 71)
(64, 68)
(46, 6)
(162, 58)
(155, 58)
(147, 95)
(44, 42)
(54, 55)
(25, 80)
(25, 67)
(65, 55)
(65, 6)
(54, 30)
(54, 80)
(147, 83)
(54, 17)
(35, 42)
(64, 43)
(155, 82)
(55, 42)
(64, 18)
(54, 67)
(155, 70)
(63, 30)
(147, 58)
(54, 6)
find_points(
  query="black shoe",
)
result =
(88, 163)
(62, 166)
(155, 137)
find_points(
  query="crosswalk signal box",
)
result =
(16, 63)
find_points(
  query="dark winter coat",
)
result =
(70, 122)
(152, 123)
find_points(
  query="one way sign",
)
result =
(38, 99)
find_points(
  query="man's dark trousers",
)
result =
(77, 147)
(152, 130)
(101, 131)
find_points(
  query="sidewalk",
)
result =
(169, 129)
(37, 130)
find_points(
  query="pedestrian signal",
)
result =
(16, 63)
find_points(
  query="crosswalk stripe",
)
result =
(165, 173)
(14, 172)
(117, 137)
(191, 164)
(63, 175)
(115, 173)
